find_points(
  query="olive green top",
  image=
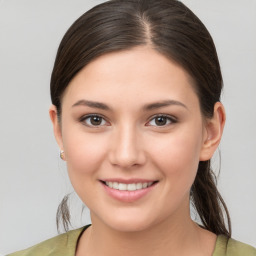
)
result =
(65, 244)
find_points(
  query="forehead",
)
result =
(131, 76)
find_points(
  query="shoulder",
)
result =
(230, 247)
(64, 244)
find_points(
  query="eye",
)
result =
(94, 120)
(161, 120)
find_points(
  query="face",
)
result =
(133, 135)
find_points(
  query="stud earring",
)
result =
(62, 154)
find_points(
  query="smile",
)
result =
(128, 187)
(128, 191)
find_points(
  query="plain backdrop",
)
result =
(33, 179)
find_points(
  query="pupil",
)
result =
(96, 120)
(161, 120)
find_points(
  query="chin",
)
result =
(129, 223)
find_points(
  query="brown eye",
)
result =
(161, 120)
(94, 120)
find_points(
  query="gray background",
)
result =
(32, 178)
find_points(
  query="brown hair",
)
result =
(170, 28)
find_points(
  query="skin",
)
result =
(129, 143)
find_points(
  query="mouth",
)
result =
(133, 186)
(128, 191)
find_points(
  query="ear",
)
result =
(213, 132)
(56, 126)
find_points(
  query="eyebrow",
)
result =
(164, 103)
(92, 104)
(151, 106)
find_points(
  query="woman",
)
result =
(136, 113)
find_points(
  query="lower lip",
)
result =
(128, 196)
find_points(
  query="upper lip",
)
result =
(128, 181)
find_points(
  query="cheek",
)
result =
(177, 156)
(84, 152)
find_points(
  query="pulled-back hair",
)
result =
(172, 29)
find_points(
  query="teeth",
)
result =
(122, 186)
(144, 185)
(131, 187)
(139, 186)
(115, 185)
(128, 187)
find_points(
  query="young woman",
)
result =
(137, 115)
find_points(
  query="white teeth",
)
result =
(122, 186)
(131, 187)
(145, 184)
(128, 187)
(115, 185)
(139, 186)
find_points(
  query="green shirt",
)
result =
(65, 245)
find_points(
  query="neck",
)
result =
(179, 235)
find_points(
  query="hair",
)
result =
(172, 29)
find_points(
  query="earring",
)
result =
(62, 154)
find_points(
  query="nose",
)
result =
(127, 148)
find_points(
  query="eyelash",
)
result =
(84, 118)
(171, 120)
